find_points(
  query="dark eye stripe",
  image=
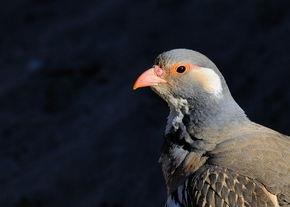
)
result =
(180, 69)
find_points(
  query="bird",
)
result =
(213, 154)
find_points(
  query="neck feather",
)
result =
(194, 127)
(200, 118)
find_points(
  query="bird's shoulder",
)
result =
(253, 142)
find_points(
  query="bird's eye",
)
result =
(181, 69)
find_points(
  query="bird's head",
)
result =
(191, 83)
(184, 74)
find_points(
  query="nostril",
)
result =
(158, 71)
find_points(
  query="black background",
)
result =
(72, 131)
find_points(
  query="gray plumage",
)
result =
(213, 155)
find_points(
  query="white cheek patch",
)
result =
(209, 80)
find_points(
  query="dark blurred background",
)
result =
(72, 131)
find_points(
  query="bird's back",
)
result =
(260, 153)
(250, 168)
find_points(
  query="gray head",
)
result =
(188, 81)
(189, 74)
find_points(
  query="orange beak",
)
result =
(150, 77)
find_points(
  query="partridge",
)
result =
(213, 155)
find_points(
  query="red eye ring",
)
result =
(180, 68)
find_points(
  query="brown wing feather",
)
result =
(216, 187)
(258, 152)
